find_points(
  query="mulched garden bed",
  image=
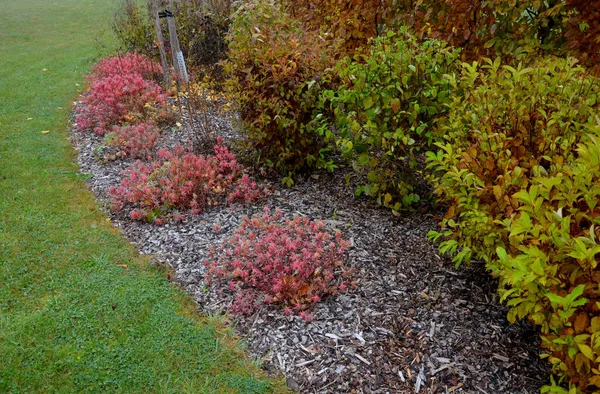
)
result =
(412, 323)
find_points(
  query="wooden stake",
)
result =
(176, 53)
(161, 45)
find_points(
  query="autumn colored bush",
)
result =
(135, 141)
(514, 30)
(583, 32)
(179, 182)
(549, 269)
(274, 70)
(517, 167)
(128, 63)
(386, 108)
(490, 28)
(293, 263)
(348, 24)
(119, 99)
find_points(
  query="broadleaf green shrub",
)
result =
(386, 109)
(521, 172)
(274, 69)
(549, 269)
(507, 121)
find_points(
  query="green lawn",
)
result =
(79, 310)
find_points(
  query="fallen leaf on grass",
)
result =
(44, 69)
(29, 118)
(122, 265)
(45, 131)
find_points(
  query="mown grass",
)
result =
(80, 311)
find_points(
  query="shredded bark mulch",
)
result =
(412, 323)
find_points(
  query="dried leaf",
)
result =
(582, 322)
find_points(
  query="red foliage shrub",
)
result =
(117, 99)
(584, 32)
(129, 63)
(274, 67)
(137, 141)
(294, 263)
(351, 22)
(182, 181)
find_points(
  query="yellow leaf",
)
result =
(498, 192)
(450, 212)
(178, 124)
(44, 69)
(595, 380)
(586, 350)
(45, 131)
(388, 198)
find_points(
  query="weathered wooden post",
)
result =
(161, 44)
(178, 61)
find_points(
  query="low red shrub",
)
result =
(294, 263)
(181, 181)
(117, 99)
(136, 141)
(127, 64)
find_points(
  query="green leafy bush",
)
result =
(507, 121)
(549, 268)
(524, 199)
(274, 68)
(386, 109)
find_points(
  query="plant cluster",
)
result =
(180, 181)
(135, 141)
(120, 99)
(584, 30)
(201, 28)
(126, 64)
(549, 269)
(511, 29)
(294, 263)
(134, 29)
(349, 23)
(275, 67)
(524, 199)
(386, 109)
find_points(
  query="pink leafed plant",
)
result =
(294, 263)
(118, 99)
(128, 63)
(180, 181)
(137, 141)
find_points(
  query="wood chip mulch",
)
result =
(412, 324)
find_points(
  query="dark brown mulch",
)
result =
(412, 323)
